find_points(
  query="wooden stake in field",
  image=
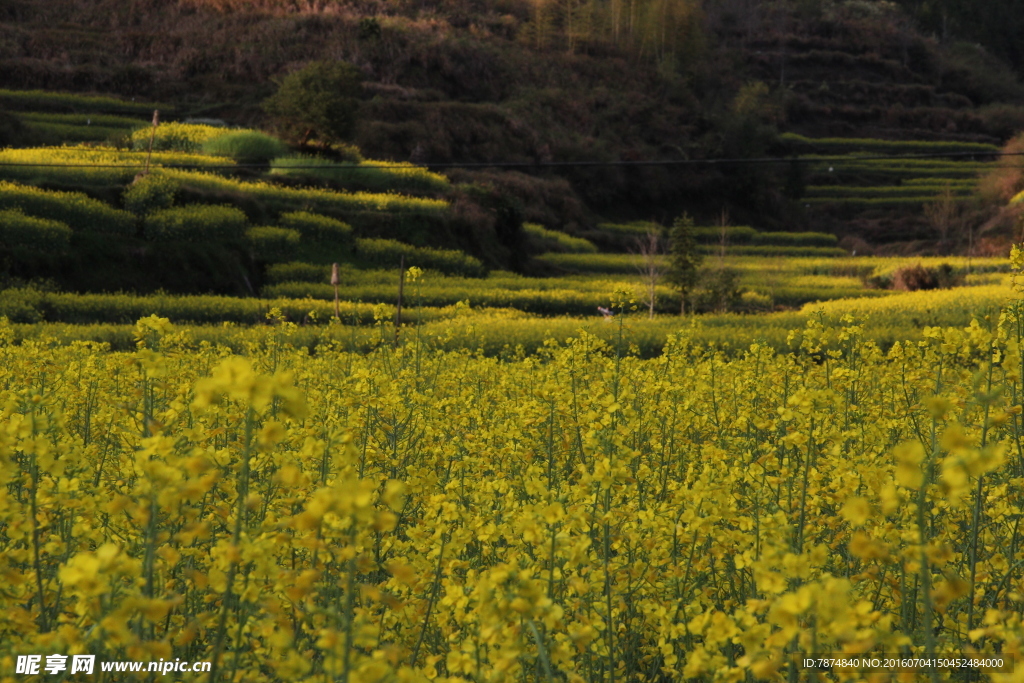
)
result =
(335, 280)
(401, 286)
(152, 136)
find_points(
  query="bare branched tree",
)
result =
(944, 216)
(723, 236)
(649, 250)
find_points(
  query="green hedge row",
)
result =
(565, 301)
(269, 244)
(295, 199)
(42, 100)
(626, 264)
(382, 253)
(826, 145)
(196, 223)
(942, 184)
(320, 230)
(910, 202)
(298, 271)
(149, 193)
(245, 146)
(745, 235)
(369, 175)
(77, 210)
(884, 191)
(36, 234)
(33, 306)
(775, 250)
(89, 119)
(90, 166)
(176, 137)
(45, 133)
(543, 240)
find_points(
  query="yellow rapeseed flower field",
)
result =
(419, 515)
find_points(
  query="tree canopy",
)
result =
(320, 101)
(684, 257)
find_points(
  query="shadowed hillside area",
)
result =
(569, 80)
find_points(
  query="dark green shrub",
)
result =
(719, 290)
(175, 137)
(196, 223)
(76, 209)
(245, 146)
(36, 234)
(272, 245)
(319, 100)
(149, 193)
(913, 278)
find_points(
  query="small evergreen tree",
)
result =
(684, 258)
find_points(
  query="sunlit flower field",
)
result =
(414, 514)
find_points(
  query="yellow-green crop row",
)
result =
(745, 235)
(43, 133)
(860, 266)
(935, 307)
(911, 200)
(89, 165)
(44, 100)
(841, 192)
(34, 306)
(84, 119)
(178, 137)
(568, 300)
(543, 240)
(558, 296)
(307, 198)
(823, 145)
(370, 175)
(942, 184)
(76, 209)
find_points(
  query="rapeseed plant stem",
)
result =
(979, 498)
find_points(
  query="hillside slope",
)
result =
(488, 82)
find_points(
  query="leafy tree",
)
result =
(319, 101)
(684, 258)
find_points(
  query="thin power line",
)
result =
(837, 159)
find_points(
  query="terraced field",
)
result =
(281, 234)
(57, 118)
(890, 181)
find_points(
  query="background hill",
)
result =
(566, 80)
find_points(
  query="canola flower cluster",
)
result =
(413, 515)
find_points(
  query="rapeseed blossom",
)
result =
(413, 514)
